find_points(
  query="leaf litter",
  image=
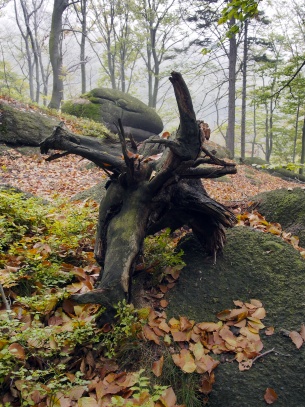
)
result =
(194, 347)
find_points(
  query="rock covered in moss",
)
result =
(19, 126)
(253, 265)
(108, 105)
(286, 207)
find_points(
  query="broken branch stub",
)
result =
(153, 186)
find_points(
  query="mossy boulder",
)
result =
(108, 105)
(254, 161)
(19, 126)
(285, 174)
(220, 151)
(286, 207)
(253, 265)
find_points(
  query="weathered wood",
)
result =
(152, 186)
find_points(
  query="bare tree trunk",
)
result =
(55, 49)
(303, 148)
(296, 131)
(145, 195)
(230, 138)
(244, 95)
(83, 44)
(254, 129)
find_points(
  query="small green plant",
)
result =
(126, 328)
(142, 391)
(160, 252)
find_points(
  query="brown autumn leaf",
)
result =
(296, 339)
(87, 402)
(181, 336)
(164, 303)
(245, 365)
(206, 383)
(256, 303)
(164, 327)
(186, 324)
(17, 350)
(168, 398)
(185, 361)
(103, 388)
(270, 396)
(224, 315)
(259, 313)
(269, 330)
(206, 364)
(209, 326)
(238, 314)
(150, 335)
(158, 366)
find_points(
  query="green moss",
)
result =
(285, 207)
(254, 160)
(90, 110)
(253, 265)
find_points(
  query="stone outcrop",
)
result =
(108, 105)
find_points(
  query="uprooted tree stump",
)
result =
(151, 186)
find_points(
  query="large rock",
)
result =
(253, 265)
(286, 207)
(22, 126)
(108, 105)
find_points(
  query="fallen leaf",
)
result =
(158, 366)
(209, 326)
(260, 313)
(17, 350)
(168, 398)
(270, 396)
(245, 365)
(185, 361)
(296, 339)
(269, 331)
(150, 335)
(256, 303)
(206, 383)
(87, 402)
(164, 303)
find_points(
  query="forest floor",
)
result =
(70, 174)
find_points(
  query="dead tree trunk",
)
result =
(151, 186)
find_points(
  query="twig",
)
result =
(4, 299)
(290, 80)
(266, 353)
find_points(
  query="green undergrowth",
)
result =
(49, 345)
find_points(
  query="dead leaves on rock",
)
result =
(193, 345)
(257, 221)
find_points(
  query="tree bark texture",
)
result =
(151, 186)
(244, 95)
(55, 50)
(230, 138)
